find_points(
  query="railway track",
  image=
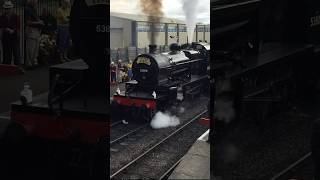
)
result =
(148, 151)
(170, 170)
(291, 168)
(119, 130)
(115, 123)
(128, 134)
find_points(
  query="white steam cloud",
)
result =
(182, 110)
(190, 8)
(224, 106)
(164, 120)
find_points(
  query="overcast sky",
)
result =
(171, 9)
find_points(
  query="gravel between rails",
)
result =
(301, 169)
(131, 147)
(155, 164)
(305, 170)
(122, 129)
(260, 151)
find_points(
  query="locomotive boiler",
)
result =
(160, 79)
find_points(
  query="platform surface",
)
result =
(74, 65)
(4, 121)
(196, 163)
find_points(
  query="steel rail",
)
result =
(166, 174)
(293, 165)
(156, 145)
(115, 123)
(127, 134)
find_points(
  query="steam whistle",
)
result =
(154, 94)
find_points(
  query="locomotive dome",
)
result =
(174, 47)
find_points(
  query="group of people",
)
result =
(35, 26)
(10, 34)
(120, 72)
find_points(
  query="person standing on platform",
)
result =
(10, 27)
(32, 33)
(119, 68)
(63, 16)
(113, 73)
(130, 70)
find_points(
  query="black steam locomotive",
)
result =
(70, 120)
(266, 54)
(258, 56)
(161, 79)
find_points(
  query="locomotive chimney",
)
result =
(152, 48)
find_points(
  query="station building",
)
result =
(130, 30)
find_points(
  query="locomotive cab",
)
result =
(199, 50)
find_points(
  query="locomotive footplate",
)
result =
(142, 105)
(121, 99)
(134, 107)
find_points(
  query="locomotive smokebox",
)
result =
(152, 48)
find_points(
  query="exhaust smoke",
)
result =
(224, 105)
(164, 120)
(224, 110)
(152, 8)
(230, 153)
(190, 8)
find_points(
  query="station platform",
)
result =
(196, 163)
(4, 121)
